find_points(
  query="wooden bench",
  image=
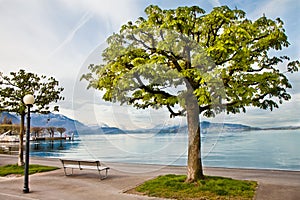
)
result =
(84, 164)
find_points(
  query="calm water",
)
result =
(254, 149)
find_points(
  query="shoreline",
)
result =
(272, 184)
(159, 165)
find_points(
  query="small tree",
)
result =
(61, 130)
(221, 59)
(15, 86)
(37, 131)
(6, 120)
(51, 130)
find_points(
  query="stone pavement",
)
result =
(85, 184)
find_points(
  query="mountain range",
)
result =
(46, 120)
(59, 120)
(205, 125)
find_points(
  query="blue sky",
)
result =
(61, 37)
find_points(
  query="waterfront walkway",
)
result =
(86, 185)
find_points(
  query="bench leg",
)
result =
(65, 170)
(103, 177)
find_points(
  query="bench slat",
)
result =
(71, 166)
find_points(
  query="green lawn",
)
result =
(15, 169)
(174, 186)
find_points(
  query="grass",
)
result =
(15, 169)
(175, 187)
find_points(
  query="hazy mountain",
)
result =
(56, 120)
(45, 120)
(205, 125)
(59, 120)
(13, 118)
(110, 130)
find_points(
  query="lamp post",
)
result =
(28, 100)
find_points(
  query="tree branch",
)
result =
(174, 114)
(150, 90)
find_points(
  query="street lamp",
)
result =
(28, 100)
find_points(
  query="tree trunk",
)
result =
(194, 165)
(21, 145)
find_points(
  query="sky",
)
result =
(61, 38)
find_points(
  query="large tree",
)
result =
(221, 59)
(16, 85)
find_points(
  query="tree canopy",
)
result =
(15, 86)
(226, 61)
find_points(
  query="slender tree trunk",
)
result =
(194, 165)
(21, 143)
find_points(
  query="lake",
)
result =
(269, 149)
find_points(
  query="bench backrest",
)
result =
(81, 162)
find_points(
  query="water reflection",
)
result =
(46, 148)
(9, 148)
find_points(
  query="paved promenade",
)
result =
(85, 184)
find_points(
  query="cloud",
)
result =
(83, 20)
(215, 3)
(115, 11)
(275, 8)
(23, 32)
(33, 30)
